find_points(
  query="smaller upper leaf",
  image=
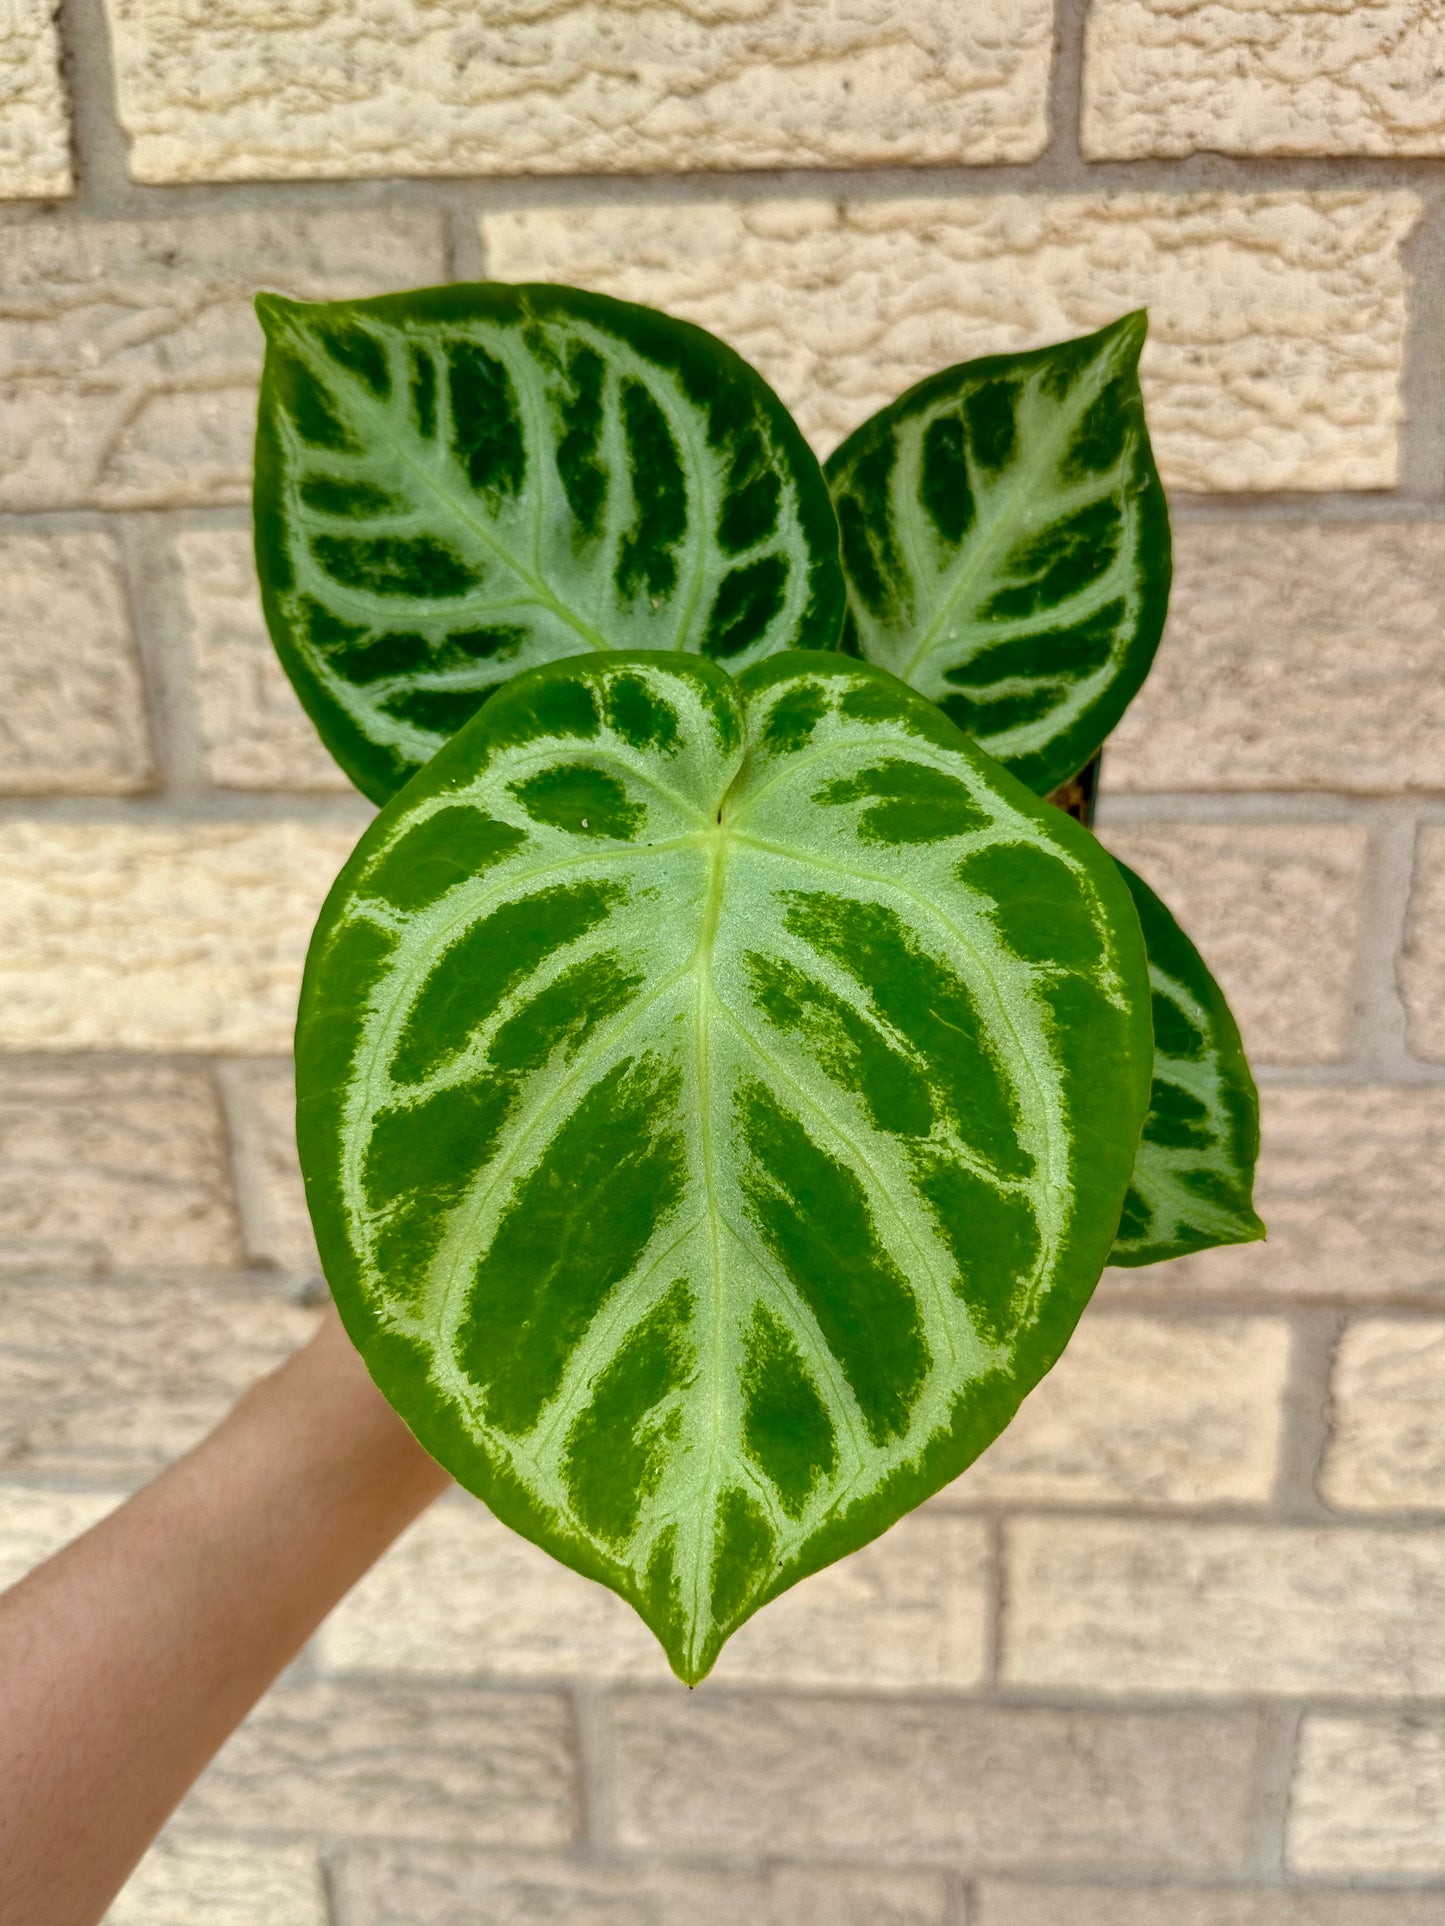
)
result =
(1193, 1182)
(1006, 546)
(456, 484)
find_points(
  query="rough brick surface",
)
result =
(1109, 1606)
(33, 1524)
(129, 353)
(72, 705)
(260, 1100)
(213, 1882)
(1275, 910)
(419, 1887)
(1348, 1186)
(1145, 1410)
(1231, 76)
(254, 731)
(1277, 321)
(1297, 656)
(998, 1904)
(140, 937)
(223, 93)
(713, 1773)
(1369, 1797)
(1422, 964)
(1387, 1407)
(413, 1762)
(34, 124)
(112, 1168)
(462, 1594)
(111, 1383)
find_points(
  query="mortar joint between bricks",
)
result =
(1380, 1039)
(1305, 1416)
(100, 154)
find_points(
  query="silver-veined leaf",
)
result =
(1193, 1183)
(1006, 545)
(457, 484)
(716, 1103)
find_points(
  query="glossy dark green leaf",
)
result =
(457, 484)
(1006, 544)
(1193, 1182)
(717, 1099)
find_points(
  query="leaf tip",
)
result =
(273, 311)
(1132, 328)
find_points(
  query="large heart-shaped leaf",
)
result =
(1193, 1183)
(1006, 544)
(460, 483)
(716, 1103)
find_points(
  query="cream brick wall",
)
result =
(460, 1594)
(1169, 1655)
(34, 129)
(129, 352)
(1124, 1606)
(138, 936)
(841, 303)
(224, 1883)
(414, 1886)
(447, 89)
(1294, 77)
(72, 723)
(1387, 1438)
(1370, 1797)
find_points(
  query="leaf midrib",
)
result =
(380, 420)
(1046, 449)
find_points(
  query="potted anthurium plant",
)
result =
(723, 1075)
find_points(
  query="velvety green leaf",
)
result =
(457, 484)
(1006, 544)
(1193, 1183)
(717, 1099)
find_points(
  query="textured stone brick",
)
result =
(1387, 1405)
(420, 1887)
(141, 937)
(110, 1383)
(112, 1168)
(1275, 910)
(1105, 1605)
(1297, 656)
(1422, 963)
(416, 1762)
(255, 732)
(222, 1882)
(998, 1904)
(1348, 1186)
(1369, 1797)
(34, 1524)
(462, 1594)
(72, 706)
(1278, 321)
(1159, 1411)
(1235, 77)
(227, 93)
(973, 1784)
(261, 1112)
(129, 353)
(34, 126)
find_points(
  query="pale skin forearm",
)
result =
(127, 1658)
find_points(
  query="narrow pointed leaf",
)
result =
(1006, 544)
(1193, 1183)
(716, 1103)
(457, 484)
